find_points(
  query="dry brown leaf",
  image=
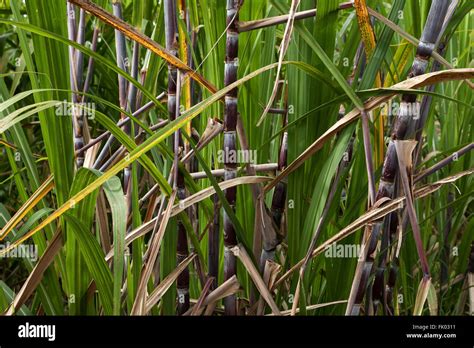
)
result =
(240, 252)
(36, 274)
(228, 288)
(147, 269)
(163, 287)
(421, 295)
(270, 273)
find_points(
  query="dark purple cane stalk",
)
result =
(80, 39)
(389, 234)
(391, 282)
(394, 224)
(470, 267)
(117, 155)
(132, 106)
(74, 78)
(435, 167)
(121, 52)
(132, 90)
(404, 128)
(379, 292)
(279, 194)
(90, 64)
(79, 150)
(122, 63)
(71, 28)
(426, 100)
(213, 251)
(230, 146)
(406, 121)
(171, 32)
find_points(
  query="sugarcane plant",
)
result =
(230, 142)
(214, 157)
(404, 127)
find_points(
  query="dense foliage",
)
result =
(236, 157)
